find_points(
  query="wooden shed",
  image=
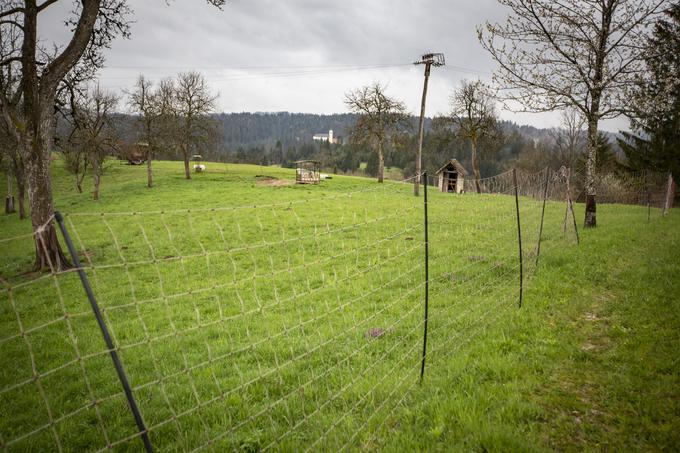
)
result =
(451, 177)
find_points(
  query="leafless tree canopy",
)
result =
(94, 132)
(555, 54)
(144, 101)
(193, 103)
(582, 54)
(380, 118)
(473, 110)
(570, 138)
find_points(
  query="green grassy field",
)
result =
(251, 314)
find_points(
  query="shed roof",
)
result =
(455, 164)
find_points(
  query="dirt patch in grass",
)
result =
(591, 317)
(588, 346)
(264, 180)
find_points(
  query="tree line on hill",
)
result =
(267, 147)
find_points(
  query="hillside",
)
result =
(282, 138)
(250, 313)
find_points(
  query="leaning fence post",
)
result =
(519, 239)
(540, 230)
(105, 333)
(427, 277)
(570, 206)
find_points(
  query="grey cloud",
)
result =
(282, 34)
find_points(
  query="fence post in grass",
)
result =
(540, 230)
(105, 333)
(573, 217)
(519, 238)
(570, 206)
(427, 277)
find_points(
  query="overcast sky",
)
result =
(303, 55)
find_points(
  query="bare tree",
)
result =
(73, 89)
(7, 169)
(168, 116)
(193, 104)
(569, 139)
(9, 77)
(95, 132)
(473, 111)
(27, 102)
(144, 101)
(380, 118)
(6, 166)
(14, 167)
(584, 54)
(76, 162)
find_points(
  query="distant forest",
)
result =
(281, 138)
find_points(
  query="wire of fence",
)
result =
(270, 325)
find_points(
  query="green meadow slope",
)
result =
(251, 313)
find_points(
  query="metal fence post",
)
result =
(540, 230)
(570, 206)
(519, 239)
(105, 333)
(427, 277)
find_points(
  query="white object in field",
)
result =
(198, 168)
(324, 176)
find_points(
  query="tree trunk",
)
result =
(475, 164)
(670, 195)
(96, 175)
(19, 172)
(48, 253)
(80, 177)
(35, 136)
(591, 162)
(9, 199)
(187, 170)
(9, 204)
(21, 192)
(149, 172)
(381, 163)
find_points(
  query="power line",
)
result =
(304, 71)
(240, 67)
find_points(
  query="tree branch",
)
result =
(9, 12)
(57, 69)
(47, 4)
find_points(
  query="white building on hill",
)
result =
(325, 137)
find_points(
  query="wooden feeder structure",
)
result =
(451, 177)
(137, 153)
(307, 172)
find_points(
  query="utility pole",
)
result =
(429, 59)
